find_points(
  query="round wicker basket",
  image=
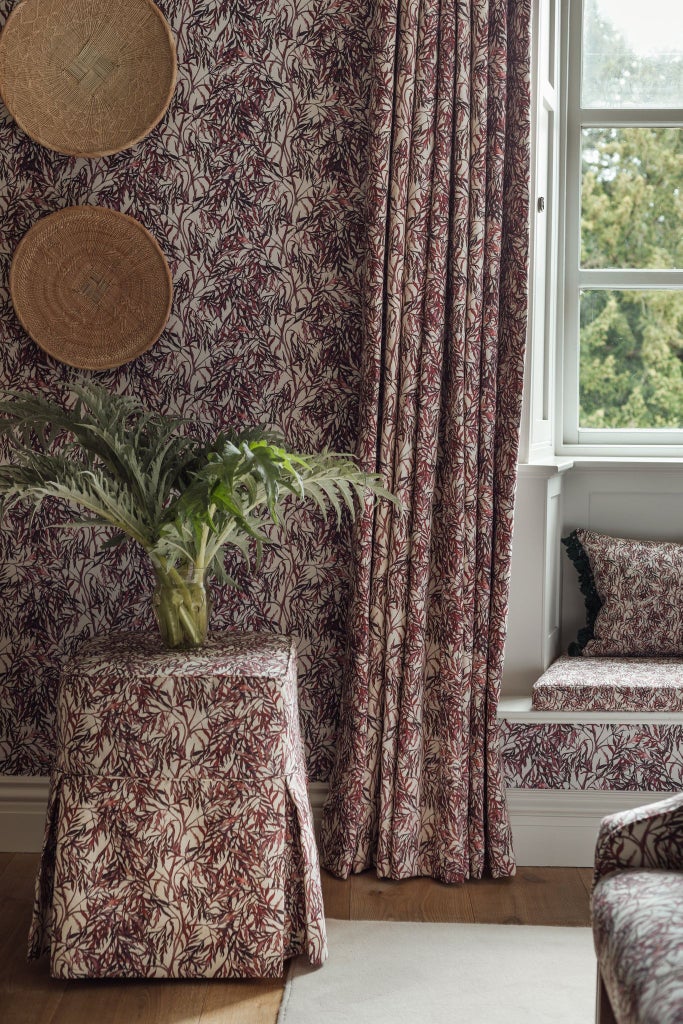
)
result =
(91, 287)
(87, 77)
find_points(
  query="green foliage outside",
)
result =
(631, 217)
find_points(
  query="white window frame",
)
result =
(538, 416)
(572, 439)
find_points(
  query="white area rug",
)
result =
(386, 972)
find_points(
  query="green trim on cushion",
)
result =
(579, 559)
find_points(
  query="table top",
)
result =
(128, 706)
(234, 653)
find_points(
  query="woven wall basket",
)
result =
(87, 77)
(91, 287)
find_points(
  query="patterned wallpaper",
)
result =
(253, 186)
(592, 755)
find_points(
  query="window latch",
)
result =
(540, 204)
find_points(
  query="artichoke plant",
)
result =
(153, 479)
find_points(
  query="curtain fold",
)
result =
(417, 786)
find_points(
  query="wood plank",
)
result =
(543, 896)
(336, 896)
(18, 876)
(415, 899)
(17, 884)
(242, 1002)
(587, 879)
(130, 1002)
(5, 859)
(27, 994)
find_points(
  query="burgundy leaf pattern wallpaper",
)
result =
(179, 837)
(253, 186)
(610, 684)
(637, 911)
(592, 755)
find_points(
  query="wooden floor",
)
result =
(547, 896)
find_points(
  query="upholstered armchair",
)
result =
(637, 910)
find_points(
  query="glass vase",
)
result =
(181, 606)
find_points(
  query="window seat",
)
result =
(637, 751)
(565, 770)
(610, 684)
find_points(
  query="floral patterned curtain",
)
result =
(417, 786)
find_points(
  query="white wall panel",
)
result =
(644, 502)
(534, 614)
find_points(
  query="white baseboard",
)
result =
(558, 828)
(549, 827)
(23, 802)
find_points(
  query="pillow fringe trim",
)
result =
(579, 559)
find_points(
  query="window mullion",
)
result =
(568, 398)
(618, 278)
(615, 117)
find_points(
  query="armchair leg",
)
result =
(604, 1014)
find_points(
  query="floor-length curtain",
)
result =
(417, 786)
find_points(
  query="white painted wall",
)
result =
(644, 501)
(534, 615)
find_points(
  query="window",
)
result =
(537, 425)
(622, 302)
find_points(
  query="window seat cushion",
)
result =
(610, 684)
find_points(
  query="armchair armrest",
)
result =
(645, 837)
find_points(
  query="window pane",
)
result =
(631, 373)
(632, 198)
(632, 53)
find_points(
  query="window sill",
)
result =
(644, 462)
(544, 468)
(549, 466)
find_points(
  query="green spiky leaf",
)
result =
(152, 478)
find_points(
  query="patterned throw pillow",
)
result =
(633, 591)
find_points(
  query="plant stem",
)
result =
(200, 561)
(180, 605)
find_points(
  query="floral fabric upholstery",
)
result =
(637, 908)
(592, 755)
(638, 932)
(179, 839)
(417, 787)
(640, 589)
(645, 837)
(610, 684)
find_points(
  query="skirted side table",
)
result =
(179, 839)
